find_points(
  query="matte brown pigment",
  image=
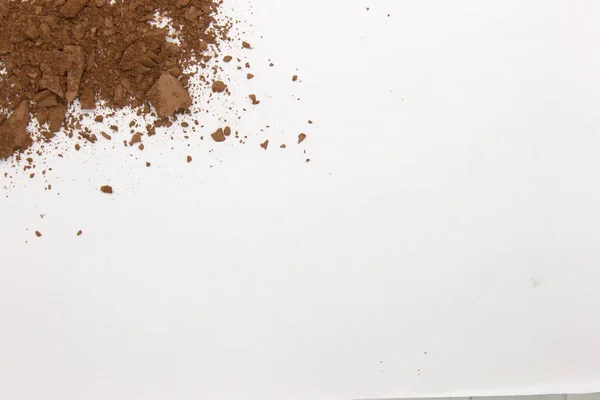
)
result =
(58, 52)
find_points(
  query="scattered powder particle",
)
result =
(246, 45)
(106, 189)
(148, 164)
(77, 146)
(294, 78)
(301, 138)
(310, 122)
(79, 233)
(254, 100)
(99, 118)
(308, 160)
(189, 159)
(227, 59)
(136, 138)
(283, 146)
(106, 135)
(219, 135)
(249, 76)
(218, 87)
(227, 131)
(265, 144)
(38, 234)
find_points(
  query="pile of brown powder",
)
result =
(55, 52)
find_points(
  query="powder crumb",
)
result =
(148, 164)
(227, 59)
(310, 122)
(77, 146)
(254, 100)
(219, 135)
(189, 159)
(294, 78)
(283, 146)
(246, 45)
(136, 138)
(38, 234)
(106, 189)
(106, 135)
(301, 138)
(265, 144)
(227, 131)
(250, 76)
(79, 232)
(308, 160)
(218, 87)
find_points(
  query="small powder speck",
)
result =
(254, 100)
(218, 136)
(218, 86)
(189, 159)
(265, 144)
(79, 233)
(106, 189)
(38, 234)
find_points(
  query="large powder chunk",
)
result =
(72, 8)
(168, 95)
(76, 58)
(13, 133)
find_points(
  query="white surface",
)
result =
(444, 240)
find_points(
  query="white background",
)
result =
(444, 240)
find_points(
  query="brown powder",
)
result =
(79, 233)
(265, 144)
(254, 100)
(294, 78)
(106, 189)
(13, 134)
(218, 87)
(168, 95)
(301, 138)
(58, 52)
(219, 135)
(38, 234)
(189, 159)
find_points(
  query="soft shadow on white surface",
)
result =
(443, 240)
